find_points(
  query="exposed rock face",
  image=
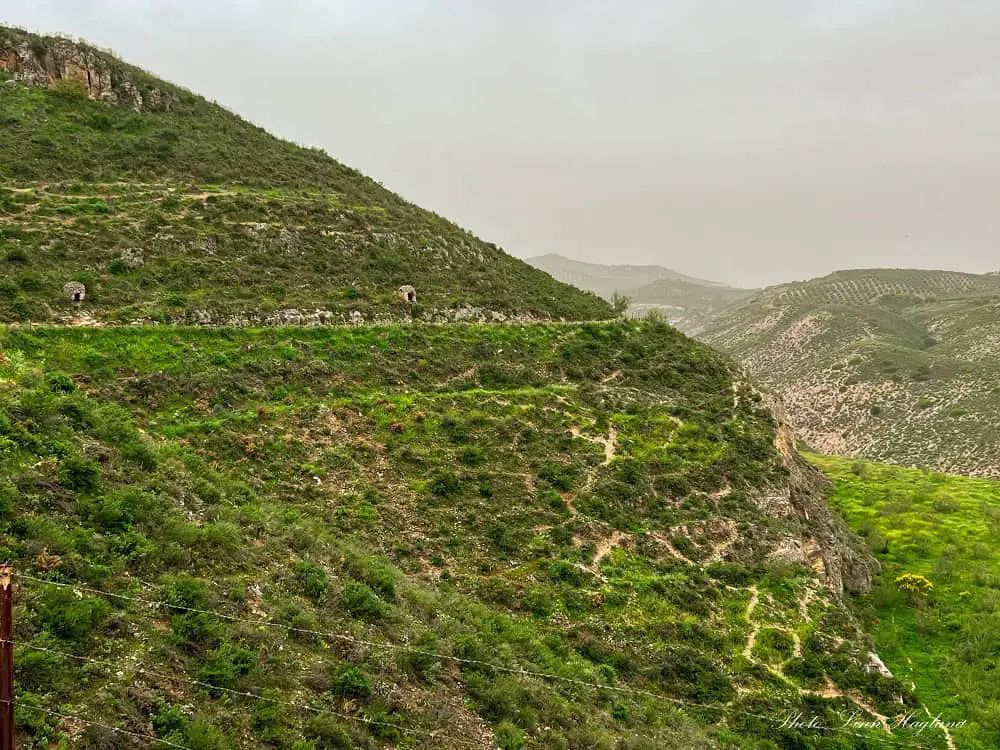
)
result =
(407, 293)
(64, 60)
(74, 291)
(875, 664)
(837, 556)
(133, 258)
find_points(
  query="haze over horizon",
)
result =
(747, 145)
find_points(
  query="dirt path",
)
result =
(605, 547)
(610, 443)
(754, 627)
(670, 548)
(720, 548)
(947, 735)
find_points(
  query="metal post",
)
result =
(6, 658)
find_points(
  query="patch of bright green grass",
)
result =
(945, 528)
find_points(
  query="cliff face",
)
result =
(838, 556)
(56, 61)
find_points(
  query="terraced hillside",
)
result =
(685, 301)
(169, 208)
(585, 538)
(894, 365)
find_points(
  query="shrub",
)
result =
(201, 735)
(79, 475)
(16, 255)
(915, 586)
(508, 736)
(348, 681)
(60, 382)
(473, 456)
(72, 619)
(361, 601)
(227, 665)
(444, 484)
(312, 580)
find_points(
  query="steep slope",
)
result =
(894, 365)
(946, 643)
(684, 300)
(589, 538)
(168, 207)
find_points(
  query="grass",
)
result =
(364, 481)
(943, 528)
(230, 224)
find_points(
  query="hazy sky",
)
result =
(749, 142)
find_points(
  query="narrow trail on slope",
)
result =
(610, 443)
(754, 627)
(605, 548)
(947, 734)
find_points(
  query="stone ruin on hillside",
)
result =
(75, 291)
(407, 293)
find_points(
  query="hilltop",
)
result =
(683, 300)
(167, 207)
(895, 365)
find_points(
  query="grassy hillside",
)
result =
(944, 528)
(894, 365)
(683, 300)
(586, 503)
(169, 208)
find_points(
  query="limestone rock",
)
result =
(838, 556)
(64, 60)
(407, 293)
(74, 291)
(133, 258)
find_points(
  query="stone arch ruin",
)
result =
(74, 291)
(408, 294)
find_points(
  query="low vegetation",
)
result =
(891, 365)
(934, 612)
(170, 208)
(578, 503)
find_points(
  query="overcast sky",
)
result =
(748, 142)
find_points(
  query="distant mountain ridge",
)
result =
(898, 365)
(685, 300)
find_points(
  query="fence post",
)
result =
(6, 658)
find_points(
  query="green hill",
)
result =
(583, 540)
(170, 208)
(307, 537)
(943, 528)
(893, 365)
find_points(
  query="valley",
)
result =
(287, 461)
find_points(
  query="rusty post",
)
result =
(6, 658)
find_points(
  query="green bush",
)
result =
(347, 681)
(227, 664)
(71, 618)
(509, 737)
(60, 382)
(444, 484)
(312, 580)
(79, 475)
(361, 601)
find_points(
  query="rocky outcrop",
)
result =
(837, 556)
(62, 60)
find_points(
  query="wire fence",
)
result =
(882, 737)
